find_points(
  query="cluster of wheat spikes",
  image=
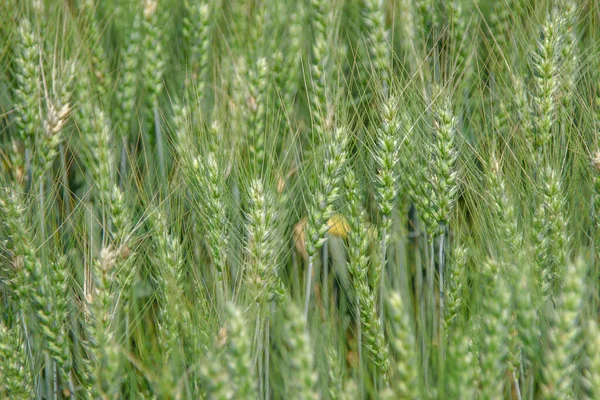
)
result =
(314, 199)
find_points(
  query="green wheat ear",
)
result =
(16, 377)
(27, 78)
(263, 244)
(301, 380)
(552, 234)
(461, 367)
(564, 336)
(237, 354)
(495, 322)
(458, 283)
(389, 141)
(592, 373)
(546, 64)
(445, 175)
(406, 379)
(326, 193)
(358, 268)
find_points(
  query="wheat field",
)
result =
(311, 199)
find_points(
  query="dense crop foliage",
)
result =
(305, 199)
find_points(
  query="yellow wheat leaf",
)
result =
(338, 226)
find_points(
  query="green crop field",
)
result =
(299, 199)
